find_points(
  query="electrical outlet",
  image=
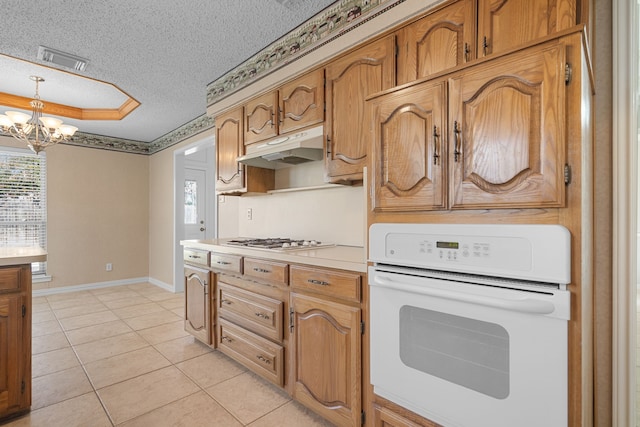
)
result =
(249, 214)
(109, 266)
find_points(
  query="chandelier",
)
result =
(37, 131)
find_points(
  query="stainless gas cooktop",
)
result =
(278, 243)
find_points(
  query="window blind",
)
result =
(23, 201)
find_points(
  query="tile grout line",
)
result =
(148, 340)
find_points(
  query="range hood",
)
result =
(301, 147)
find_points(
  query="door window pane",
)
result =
(190, 201)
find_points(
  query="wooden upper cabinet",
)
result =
(302, 102)
(229, 146)
(507, 131)
(261, 118)
(410, 153)
(440, 41)
(234, 177)
(297, 104)
(505, 24)
(350, 80)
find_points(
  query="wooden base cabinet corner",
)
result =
(197, 289)
(15, 340)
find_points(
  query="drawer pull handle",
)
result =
(262, 315)
(194, 256)
(261, 270)
(225, 338)
(223, 262)
(318, 282)
(264, 359)
(226, 301)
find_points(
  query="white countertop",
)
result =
(353, 258)
(21, 255)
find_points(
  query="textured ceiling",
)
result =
(162, 53)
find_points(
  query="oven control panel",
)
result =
(531, 251)
(432, 250)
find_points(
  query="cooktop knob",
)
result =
(313, 243)
(286, 245)
(293, 244)
(305, 243)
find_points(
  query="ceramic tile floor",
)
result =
(119, 356)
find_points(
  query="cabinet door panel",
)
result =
(327, 358)
(197, 304)
(302, 102)
(229, 147)
(409, 150)
(505, 24)
(438, 42)
(508, 130)
(350, 80)
(260, 118)
(11, 353)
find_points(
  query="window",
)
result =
(23, 201)
(190, 201)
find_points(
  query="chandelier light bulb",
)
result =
(50, 122)
(18, 118)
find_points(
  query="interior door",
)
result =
(195, 202)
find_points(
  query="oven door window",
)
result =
(468, 352)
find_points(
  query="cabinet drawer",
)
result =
(258, 354)
(276, 272)
(226, 262)
(258, 313)
(10, 278)
(331, 283)
(196, 256)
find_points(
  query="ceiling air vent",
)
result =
(61, 58)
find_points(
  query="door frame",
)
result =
(178, 208)
(625, 218)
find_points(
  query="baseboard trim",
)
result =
(98, 285)
(161, 284)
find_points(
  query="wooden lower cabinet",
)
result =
(197, 308)
(258, 354)
(15, 340)
(326, 358)
(387, 417)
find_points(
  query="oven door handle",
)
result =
(524, 305)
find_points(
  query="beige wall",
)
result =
(97, 213)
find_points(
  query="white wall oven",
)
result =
(469, 322)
